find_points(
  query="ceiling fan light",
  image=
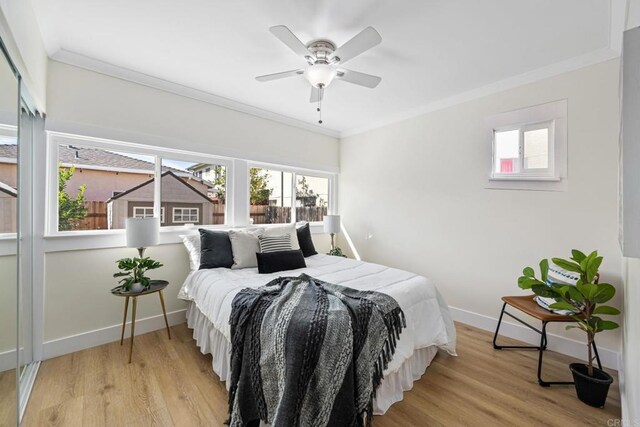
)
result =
(320, 75)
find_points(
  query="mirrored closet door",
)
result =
(9, 113)
(17, 123)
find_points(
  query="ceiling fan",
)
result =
(325, 61)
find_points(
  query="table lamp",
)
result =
(332, 226)
(142, 233)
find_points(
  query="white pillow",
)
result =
(245, 245)
(192, 243)
(289, 229)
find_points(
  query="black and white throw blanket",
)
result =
(309, 353)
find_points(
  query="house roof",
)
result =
(150, 181)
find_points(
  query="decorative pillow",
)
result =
(192, 243)
(279, 230)
(244, 245)
(215, 249)
(275, 243)
(272, 262)
(304, 238)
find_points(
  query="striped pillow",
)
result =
(275, 243)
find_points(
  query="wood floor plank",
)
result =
(170, 383)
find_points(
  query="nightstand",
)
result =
(156, 286)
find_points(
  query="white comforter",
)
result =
(428, 320)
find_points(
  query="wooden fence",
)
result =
(97, 215)
(96, 218)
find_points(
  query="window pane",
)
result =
(270, 196)
(8, 178)
(506, 151)
(536, 149)
(97, 188)
(193, 193)
(312, 198)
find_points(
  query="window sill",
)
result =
(8, 244)
(104, 239)
(526, 178)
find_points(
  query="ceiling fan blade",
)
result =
(316, 94)
(361, 42)
(287, 37)
(282, 75)
(362, 79)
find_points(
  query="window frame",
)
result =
(522, 171)
(12, 132)
(552, 115)
(152, 212)
(183, 208)
(54, 139)
(332, 196)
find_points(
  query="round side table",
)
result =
(156, 286)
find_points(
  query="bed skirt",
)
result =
(211, 341)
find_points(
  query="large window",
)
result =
(98, 184)
(312, 198)
(270, 196)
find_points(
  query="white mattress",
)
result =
(429, 323)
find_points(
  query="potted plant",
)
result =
(133, 273)
(585, 301)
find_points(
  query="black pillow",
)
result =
(304, 238)
(271, 262)
(215, 249)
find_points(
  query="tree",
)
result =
(70, 210)
(258, 185)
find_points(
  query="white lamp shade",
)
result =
(320, 74)
(331, 223)
(142, 232)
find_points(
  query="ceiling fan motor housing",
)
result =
(322, 49)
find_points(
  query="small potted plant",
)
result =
(585, 300)
(132, 271)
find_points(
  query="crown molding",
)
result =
(552, 70)
(108, 69)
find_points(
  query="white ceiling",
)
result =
(431, 50)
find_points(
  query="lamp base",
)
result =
(333, 245)
(141, 252)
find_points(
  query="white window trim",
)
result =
(552, 179)
(135, 208)
(332, 201)
(236, 207)
(182, 209)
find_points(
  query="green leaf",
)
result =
(606, 325)
(592, 267)
(567, 265)
(561, 305)
(606, 309)
(577, 256)
(527, 282)
(528, 272)
(603, 293)
(544, 270)
(575, 294)
(571, 327)
(544, 291)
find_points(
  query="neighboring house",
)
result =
(8, 164)
(182, 203)
(8, 208)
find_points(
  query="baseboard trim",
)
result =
(8, 360)
(73, 343)
(563, 345)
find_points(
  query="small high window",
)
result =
(529, 148)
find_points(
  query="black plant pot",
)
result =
(591, 390)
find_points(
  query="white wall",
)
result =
(630, 387)
(417, 188)
(83, 101)
(20, 32)
(79, 309)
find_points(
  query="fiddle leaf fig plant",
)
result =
(585, 300)
(132, 270)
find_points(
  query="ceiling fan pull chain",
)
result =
(319, 109)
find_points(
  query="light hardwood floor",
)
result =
(172, 383)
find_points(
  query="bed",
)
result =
(209, 294)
